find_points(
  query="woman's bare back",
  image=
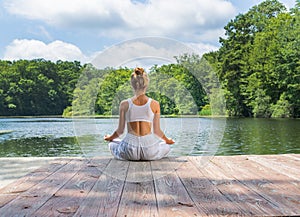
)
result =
(140, 128)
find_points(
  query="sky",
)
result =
(80, 30)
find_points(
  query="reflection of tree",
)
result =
(259, 136)
(40, 147)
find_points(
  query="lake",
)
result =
(56, 137)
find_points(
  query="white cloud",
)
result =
(123, 19)
(34, 49)
(142, 50)
(212, 35)
(288, 3)
(202, 48)
(132, 52)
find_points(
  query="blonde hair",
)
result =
(139, 79)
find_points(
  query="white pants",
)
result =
(148, 147)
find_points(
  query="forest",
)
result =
(257, 67)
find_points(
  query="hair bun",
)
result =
(139, 71)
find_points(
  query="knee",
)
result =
(112, 145)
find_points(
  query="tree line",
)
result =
(258, 62)
(99, 92)
(257, 67)
(37, 87)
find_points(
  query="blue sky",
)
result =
(78, 30)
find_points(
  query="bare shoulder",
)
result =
(155, 106)
(154, 102)
(124, 105)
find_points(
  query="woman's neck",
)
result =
(139, 94)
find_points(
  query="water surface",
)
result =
(194, 136)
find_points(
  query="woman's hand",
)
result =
(107, 138)
(170, 141)
(110, 138)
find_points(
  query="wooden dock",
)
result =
(261, 185)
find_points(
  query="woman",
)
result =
(144, 140)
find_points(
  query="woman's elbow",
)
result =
(120, 131)
(157, 132)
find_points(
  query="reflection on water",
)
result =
(261, 136)
(40, 146)
(193, 136)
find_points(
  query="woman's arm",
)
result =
(156, 123)
(120, 130)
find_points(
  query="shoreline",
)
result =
(110, 116)
(116, 117)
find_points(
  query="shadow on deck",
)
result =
(227, 185)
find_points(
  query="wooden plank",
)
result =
(294, 156)
(285, 165)
(13, 168)
(67, 200)
(206, 196)
(104, 198)
(271, 186)
(167, 166)
(249, 202)
(171, 195)
(240, 184)
(11, 191)
(138, 198)
(34, 177)
(139, 171)
(31, 200)
(297, 156)
(6, 198)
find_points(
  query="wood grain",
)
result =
(261, 185)
(11, 191)
(67, 200)
(270, 185)
(209, 200)
(29, 201)
(172, 197)
(285, 165)
(105, 196)
(138, 197)
(232, 189)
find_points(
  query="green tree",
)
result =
(108, 89)
(176, 88)
(233, 56)
(36, 87)
(282, 109)
(85, 92)
(274, 61)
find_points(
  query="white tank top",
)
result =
(139, 112)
